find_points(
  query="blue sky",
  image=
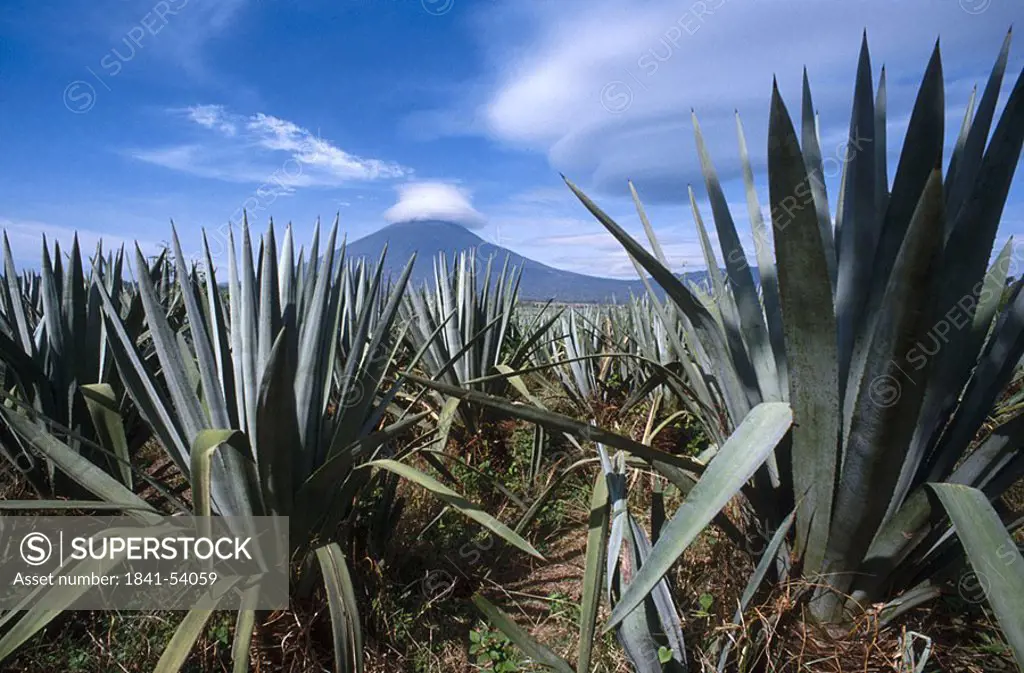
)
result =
(117, 116)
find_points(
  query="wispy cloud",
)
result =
(212, 117)
(253, 148)
(196, 25)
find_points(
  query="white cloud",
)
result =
(604, 87)
(212, 117)
(263, 149)
(434, 201)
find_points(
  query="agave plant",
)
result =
(880, 327)
(272, 400)
(574, 355)
(859, 314)
(53, 346)
(668, 365)
(651, 334)
(462, 327)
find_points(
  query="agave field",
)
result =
(814, 467)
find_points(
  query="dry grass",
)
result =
(417, 616)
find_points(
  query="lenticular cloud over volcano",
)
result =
(434, 201)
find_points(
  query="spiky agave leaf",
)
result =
(652, 624)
